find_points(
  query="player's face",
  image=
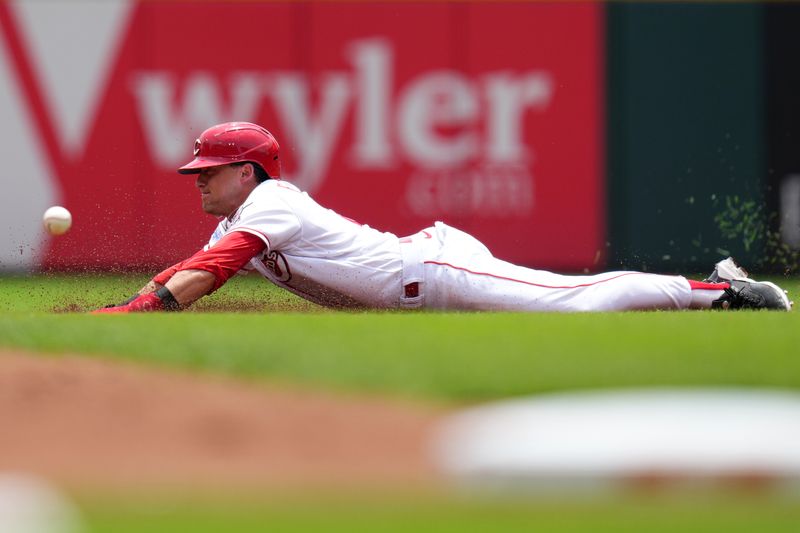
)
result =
(222, 190)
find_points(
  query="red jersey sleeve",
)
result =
(163, 277)
(223, 260)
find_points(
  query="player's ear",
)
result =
(248, 172)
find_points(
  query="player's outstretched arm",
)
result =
(181, 285)
(188, 286)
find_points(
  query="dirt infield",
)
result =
(93, 423)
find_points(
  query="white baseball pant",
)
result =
(458, 272)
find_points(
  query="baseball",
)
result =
(57, 220)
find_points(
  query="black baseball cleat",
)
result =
(749, 294)
(744, 292)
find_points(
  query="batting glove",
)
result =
(160, 300)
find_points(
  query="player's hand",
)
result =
(141, 303)
(126, 302)
(110, 310)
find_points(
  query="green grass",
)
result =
(446, 356)
(78, 293)
(733, 513)
(455, 358)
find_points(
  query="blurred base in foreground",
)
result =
(631, 440)
(30, 504)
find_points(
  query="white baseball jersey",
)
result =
(331, 260)
(315, 252)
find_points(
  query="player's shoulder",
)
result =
(278, 186)
(271, 196)
(271, 191)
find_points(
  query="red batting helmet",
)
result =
(235, 142)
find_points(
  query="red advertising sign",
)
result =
(485, 115)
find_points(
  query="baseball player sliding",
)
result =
(271, 226)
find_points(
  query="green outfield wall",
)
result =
(687, 178)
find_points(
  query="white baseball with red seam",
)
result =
(57, 220)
